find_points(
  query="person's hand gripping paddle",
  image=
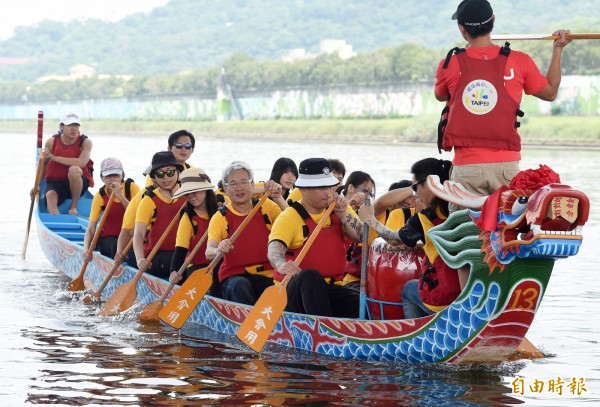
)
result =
(257, 327)
(77, 283)
(125, 295)
(150, 312)
(186, 299)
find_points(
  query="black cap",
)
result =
(164, 159)
(473, 12)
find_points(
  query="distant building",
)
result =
(343, 49)
(78, 72)
(329, 46)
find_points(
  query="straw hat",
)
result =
(193, 180)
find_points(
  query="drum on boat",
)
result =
(388, 269)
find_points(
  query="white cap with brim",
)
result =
(70, 118)
(315, 173)
(193, 180)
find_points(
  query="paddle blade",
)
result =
(76, 284)
(94, 297)
(527, 350)
(150, 313)
(257, 327)
(121, 300)
(186, 299)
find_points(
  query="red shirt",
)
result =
(521, 75)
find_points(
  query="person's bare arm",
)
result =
(80, 161)
(276, 254)
(554, 73)
(366, 214)
(390, 198)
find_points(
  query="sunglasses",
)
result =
(414, 186)
(161, 173)
(179, 146)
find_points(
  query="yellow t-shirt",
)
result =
(217, 228)
(129, 216)
(288, 227)
(295, 195)
(185, 231)
(396, 219)
(98, 202)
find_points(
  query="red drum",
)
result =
(388, 269)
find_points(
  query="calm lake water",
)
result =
(57, 351)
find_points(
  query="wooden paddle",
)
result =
(363, 269)
(125, 295)
(97, 295)
(77, 283)
(38, 180)
(588, 36)
(186, 299)
(257, 327)
(529, 351)
(150, 312)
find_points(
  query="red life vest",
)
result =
(438, 283)
(250, 253)
(200, 225)
(163, 214)
(60, 172)
(328, 252)
(114, 220)
(481, 113)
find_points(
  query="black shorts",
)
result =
(63, 190)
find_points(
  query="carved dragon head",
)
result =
(528, 219)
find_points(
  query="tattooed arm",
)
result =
(367, 215)
(276, 254)
(353, 227)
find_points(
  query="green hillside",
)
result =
(189, 35)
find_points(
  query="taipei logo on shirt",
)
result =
(480, 97)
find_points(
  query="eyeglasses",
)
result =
(179, 146)
(367, 192)
(240, 183)
(414, 186)
(161, 173)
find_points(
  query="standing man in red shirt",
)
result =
(482, 86)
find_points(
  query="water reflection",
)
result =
(158, 366)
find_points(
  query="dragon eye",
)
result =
(519, 206)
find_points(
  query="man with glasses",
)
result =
(245, 271)
(154, 213)
(316, 286)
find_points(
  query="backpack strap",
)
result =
(453, 51)
(303, 214)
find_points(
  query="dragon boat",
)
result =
(511, 264)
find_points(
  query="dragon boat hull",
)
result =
(486, 323)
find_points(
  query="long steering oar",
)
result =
(38, 180)
(257, 327)
(125, 295)
(77, 283)
(150, 312)
(97, 295)
(186, 299)
(583, 36)
(363, 269)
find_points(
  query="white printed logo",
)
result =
(480, 97)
